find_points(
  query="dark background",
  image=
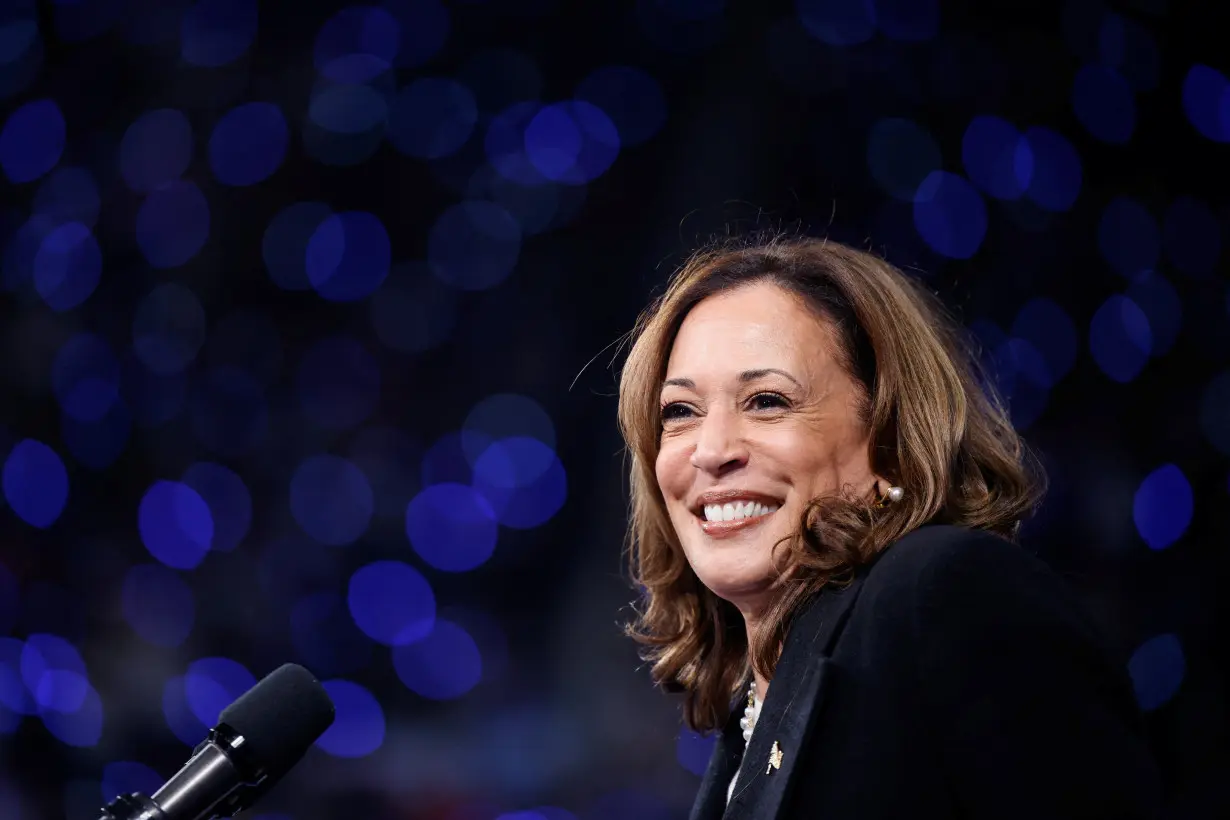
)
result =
(763, 126)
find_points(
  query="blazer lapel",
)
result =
(788, 713)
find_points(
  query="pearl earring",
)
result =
(891, 496)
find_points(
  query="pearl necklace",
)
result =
(752, 711)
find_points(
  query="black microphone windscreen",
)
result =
(280, 717)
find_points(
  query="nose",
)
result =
(719, 445)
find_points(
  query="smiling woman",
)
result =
(824, 496)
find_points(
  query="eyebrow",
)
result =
(744, 377)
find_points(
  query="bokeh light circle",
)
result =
(168, 329)
(1157, 668)
(391, 602)
(1162, 508)
(67, 267)
(331, 500)
(248, 144)
(474, 245)
(32, 140)
(432, 117)
(900, 155)
(443, 665)
(632, 99)
(348, 256)
(156, 149)
(285, 243)
(452, 527)
(950, 215)
(357, 44)
(86, 377)
(212, 684)
(1104, 104)
(1120, 338)
(216, 32)
(172, 224)
(359, 725)
(35, 483)
(228, 499)
(176, 525)
(158, 604)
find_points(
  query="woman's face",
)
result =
(759, 417)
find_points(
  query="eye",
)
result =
(675, 410)
(768, 401)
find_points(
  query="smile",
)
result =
(718, 520)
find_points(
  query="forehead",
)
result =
(753, 326)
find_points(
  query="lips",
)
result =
(721, 514)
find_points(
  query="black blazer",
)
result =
(956, 677)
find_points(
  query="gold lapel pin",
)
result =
(775, 758)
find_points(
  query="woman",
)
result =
(823, 502)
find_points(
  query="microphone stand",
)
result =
(135, 806)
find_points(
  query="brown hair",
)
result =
(936, 429)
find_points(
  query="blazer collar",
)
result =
(786, 717)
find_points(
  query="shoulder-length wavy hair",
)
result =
(936, 429)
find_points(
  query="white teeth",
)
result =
(737, 510)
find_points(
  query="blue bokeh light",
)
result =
(1120, 338)
(452, 527)
(331, 500)
(248, 144)
(950, 215)
(1192, 236)
(1104, 104)
(432, 117)
(391, 602)
(1162, 508)
(168, 329)
(216, 32)
(413, 311)
(156, 149)
(338, 383)
(357, 44)
(838, 22)
(442, 665)
(632, 99)
(180, 719)
(123, 777)
(284, 247)
(503, 415)
(32, 140)
(54, 673)
(1129, 48)
(212, 684)
(228, 499)
(446, 461)
(326, 638)
(348, 110)
(1162, 306)
(348, 256)
(358, 729)
(900, 155)
(1049, 329)
(693, 750)
(425, 27)
(505, 147)
(82, 727)
(1206, 101)
(997, 157)
(523, 481)
(85, 376)
(172, 224)
(14, 694)
(1057, 176)
(1128, 237)
(67, 267)
(474, 245)
(35, 483)
(572, 142)
(175, 524)
(1157, 668)
(158, 604)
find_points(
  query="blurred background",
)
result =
(311, 332)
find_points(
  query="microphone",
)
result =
(258, 739)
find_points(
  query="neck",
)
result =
(751, 623)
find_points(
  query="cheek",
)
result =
(673, 470)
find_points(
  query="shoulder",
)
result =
(945, 568)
